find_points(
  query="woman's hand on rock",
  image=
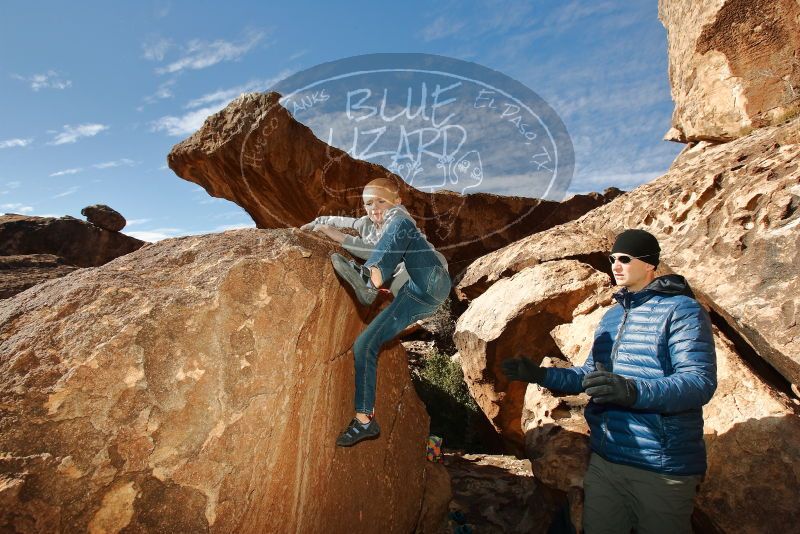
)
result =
(331, 232)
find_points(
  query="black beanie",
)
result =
(638, 243)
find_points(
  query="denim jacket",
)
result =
(369, 234)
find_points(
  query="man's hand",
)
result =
(523, 369)
(331, 232)
(604, 387)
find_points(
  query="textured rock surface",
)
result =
(78, 242)
(734, 65)
(514, 317)
(556, 441)
(198, 385)
(556, 433)
(753, 442)
(436, 501)
(18, 273)
(256, 155)
(104, 217)
(569, 241)
(727, 217)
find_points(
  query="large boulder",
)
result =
(726, 217)
(198, 385)
(513, 318)
(78, 242)
(571, 241)
(255, 154)
(19, 272)
(104, 217)
(752, 434)
(733, 65)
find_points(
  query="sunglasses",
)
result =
(623, 258)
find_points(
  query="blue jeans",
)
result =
(428, 286)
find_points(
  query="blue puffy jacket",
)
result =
(661, 338)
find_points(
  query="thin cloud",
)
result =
(163, 92)
(621, 98)
(570, 14)
(13, 185)
(16, 208)
(226, 227)
(226, 95)
(297, 55)
(124, 162)
(185, 124)
(69, 191)
(156, 234)
(202, 54)
(223, 96)
(212, 200)
(75, 170)
(493, 18)
(11, 143)
(162, 11)
(442, 27)
(155, 48)
(48, 80)
(190, 122)
(70, 134)
(229, 215)
(134, 222)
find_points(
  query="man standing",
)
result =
(651, 369)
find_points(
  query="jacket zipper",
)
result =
(615, 348)
(613, 358)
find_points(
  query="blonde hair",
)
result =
(389, 187)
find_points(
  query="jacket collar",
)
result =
(631, 299)
(669, 284)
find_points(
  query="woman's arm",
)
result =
(337, 221)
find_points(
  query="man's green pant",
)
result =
(621, 497)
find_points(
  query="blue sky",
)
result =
(96, 94)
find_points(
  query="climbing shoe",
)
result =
(357, 276)
(356, 432)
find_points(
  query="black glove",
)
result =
(604, 387)
(523, 369)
